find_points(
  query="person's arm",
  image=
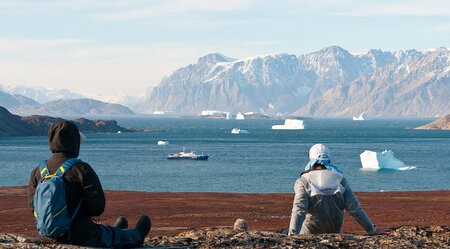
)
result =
(354, 208)
(299, 208)
(93, 195)
(32, 187)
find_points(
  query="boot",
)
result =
(121, 222)
(143, 226)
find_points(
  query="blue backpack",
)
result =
(49, 202)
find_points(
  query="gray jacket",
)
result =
(320, 199)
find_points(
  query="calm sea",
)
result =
(262, 161)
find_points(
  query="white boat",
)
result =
(290, 124)
(372, 160)
(160, 142)
(361, 117)
(240, 116)
(239, 131)
(119, 132)
(183, 155)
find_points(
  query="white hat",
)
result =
(319, 152)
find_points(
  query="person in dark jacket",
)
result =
(83, 185)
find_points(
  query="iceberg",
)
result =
(372, 160)
(240, 116)
(361, 117)
(290, 124)
(163, 142)
(239, 131)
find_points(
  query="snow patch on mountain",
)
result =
(40, 94)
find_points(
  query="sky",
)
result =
(115, 46)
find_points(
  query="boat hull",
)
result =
(199, 158)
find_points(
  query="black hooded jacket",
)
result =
(83, 184)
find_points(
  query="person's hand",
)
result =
(382, 230)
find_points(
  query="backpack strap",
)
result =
(45, 174)
(43, 169)
(66, 166)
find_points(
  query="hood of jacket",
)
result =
(64, 137)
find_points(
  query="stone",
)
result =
(240, 225)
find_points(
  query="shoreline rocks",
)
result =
(440, 124)
(215, 237)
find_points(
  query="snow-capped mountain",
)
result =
(62, 101)
(40, 94)
(331, 82)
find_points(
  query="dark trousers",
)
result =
(109, 236)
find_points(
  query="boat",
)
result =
(290, 124)
(239, 131)
(183, 155)
(361, 117)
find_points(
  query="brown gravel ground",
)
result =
(173, 213)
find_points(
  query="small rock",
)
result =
(240, 225)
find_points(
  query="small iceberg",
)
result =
(290, 124)
(361, 117)
(372, 160)
(160, 142)
(239, 131)
(240, 116)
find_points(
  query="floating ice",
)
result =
(385, 160)
(361, 117)
(239, 131)
(290, 124)
(163, 142)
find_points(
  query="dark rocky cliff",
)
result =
(13, 125)
(36, 125)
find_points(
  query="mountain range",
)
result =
(22, 105)
(43, 95)
(329, 82)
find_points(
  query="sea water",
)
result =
(262, 161)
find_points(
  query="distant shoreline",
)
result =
(174, 212)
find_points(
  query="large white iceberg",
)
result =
(385, 160)
(290, 124)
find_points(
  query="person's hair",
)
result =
(318, 166)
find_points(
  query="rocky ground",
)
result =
(186, 220)
(402, 237)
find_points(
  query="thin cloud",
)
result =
(442, 28)
(174, 7)
(12, 45)
(404, 8)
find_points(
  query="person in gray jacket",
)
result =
(321, 196)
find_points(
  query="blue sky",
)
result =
(111, 46)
